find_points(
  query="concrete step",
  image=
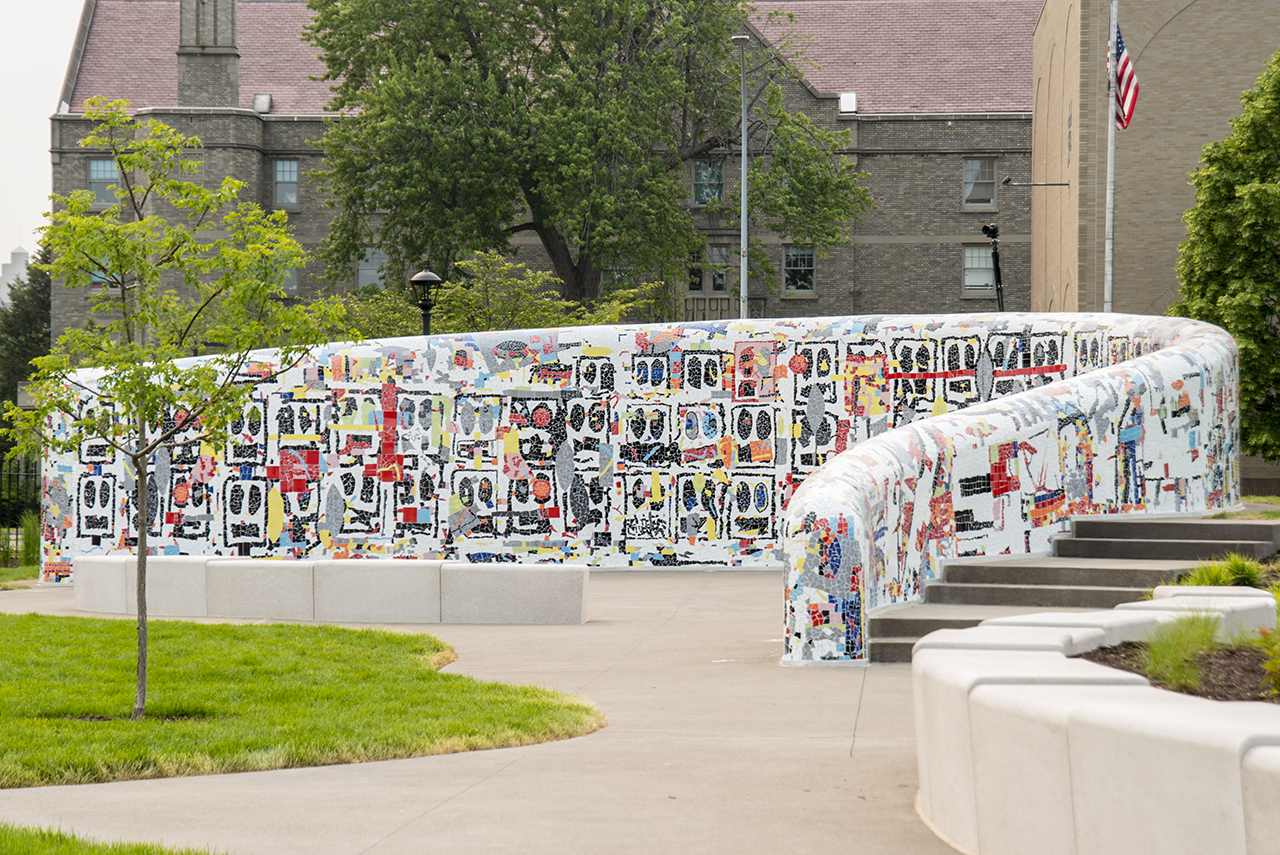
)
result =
(1054, 570)
(1167, 529)
(892, 632)
(1187, 550)
(893, 649)
(1056, 596)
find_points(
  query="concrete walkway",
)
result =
(712, 746)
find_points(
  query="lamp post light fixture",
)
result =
(1009, 182)
(741, 41)
(425, 285)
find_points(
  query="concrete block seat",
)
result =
(1022, 749)
(371, 590)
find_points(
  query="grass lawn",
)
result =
(40, 841)
(235, 698)
(1274, 501)
(18, 574)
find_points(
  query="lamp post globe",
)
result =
(425, 285)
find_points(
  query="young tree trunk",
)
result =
(142, 479)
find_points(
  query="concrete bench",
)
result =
(1022, 749)
(374, 590)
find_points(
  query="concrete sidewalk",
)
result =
(712, 746)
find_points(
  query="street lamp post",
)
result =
(741, 41)
(425, 286)
(993, 233)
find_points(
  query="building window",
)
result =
(102, 176)
(619, 278)
(290, 283)
(980, 182)
(708, 181)
(369, 270)
(797, 270)
(719, 268)
(695, 270)
(286, 184)
(979, 273)
(713, 268)
(98, 275)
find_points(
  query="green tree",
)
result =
(24, 335)
(1229, 266)
(493, 293)
(489, 292)
(464, 125)
(24, 326)
(375, 312)
(172, 269)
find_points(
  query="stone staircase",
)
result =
(1104, 562)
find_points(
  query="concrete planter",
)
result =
(1022, 750)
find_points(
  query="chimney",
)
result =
(208, 62)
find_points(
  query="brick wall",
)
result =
(237, 143)
(1193, 59)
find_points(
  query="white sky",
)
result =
(35, 44)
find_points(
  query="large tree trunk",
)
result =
(580, 278)
(142, 478)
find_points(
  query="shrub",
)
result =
(29, 550)
(1270, 644)
(1244, 570)
(1208, 573)
(1173, 650)
(1234, 569)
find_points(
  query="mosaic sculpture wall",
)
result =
(1158, 432)
(655, 445)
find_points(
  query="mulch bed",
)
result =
(1230, 674)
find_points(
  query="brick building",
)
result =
(234, 74)
(937, 100)
(936, 97)
(1193, 59)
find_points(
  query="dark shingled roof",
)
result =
(900, 56)
(914, 56)
(132, 52)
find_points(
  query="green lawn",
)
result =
(40, 841)
(234, 698)
(19, 574)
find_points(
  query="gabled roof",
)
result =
(899, 56)
(913, 56)
(132, 52)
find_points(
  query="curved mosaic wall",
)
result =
(660, 445)
(1155, 432)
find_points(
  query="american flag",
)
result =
(1126, 84)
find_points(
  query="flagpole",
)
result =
(1108, 256)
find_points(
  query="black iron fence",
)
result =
(19, 497)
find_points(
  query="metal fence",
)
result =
(19, 494)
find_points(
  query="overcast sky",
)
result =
(35, 44)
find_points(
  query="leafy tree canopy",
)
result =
(1229, 266)
(172, 269)
(463, 125)
(24, 326)
(24, 331)
(489, 292)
